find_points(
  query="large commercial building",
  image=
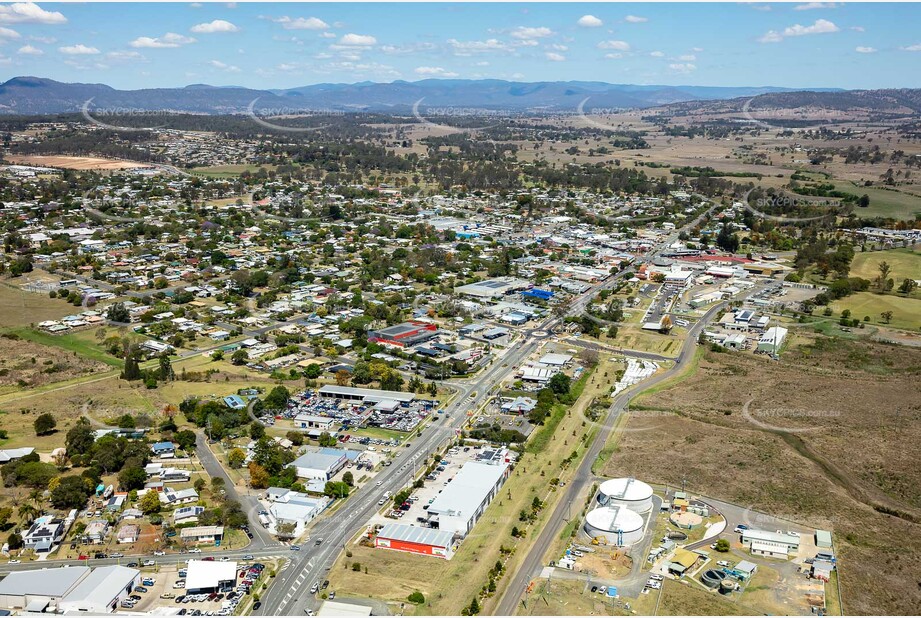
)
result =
(405, 334)
(102, 590)
(36, 590)
(319, 464)
(364, 395)
(68, 589)
(416, 540)
(458, 507)
(492, 288)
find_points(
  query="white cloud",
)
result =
(223, 66)
(168, 40)
(614, 56)
(78, 50)
(525, 32)
(327, 35)
(525, 43)
(809, 6)
(857, 29)
(697, 50)
(555, 57)
(468, 48)
(616, 45)
(821, 26)
(8, 34)
(28, 50)
(912, 48)
(590, 21)
(761, 7)
(218, 25)
(125, 55)
(687, 58)
(412, 48)
(301, 23)
(682, 67)
(635, 19)
(434, 72)
(357, 40)
(657, 54)
(860, 49)
(29, 13)
(557, 47)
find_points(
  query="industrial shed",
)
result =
(42, 587)
(102, 591)
(416, 540)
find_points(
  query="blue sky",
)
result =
(281, 45)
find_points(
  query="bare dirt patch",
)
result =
(74, 163)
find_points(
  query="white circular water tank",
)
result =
(618, 525)
(628, 492)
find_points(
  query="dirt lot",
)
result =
(27, 364)
(74, 163)
(19, 307)
(853, 409)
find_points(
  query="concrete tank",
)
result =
(627, 492)
(618, 525)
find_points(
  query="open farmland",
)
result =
(75, 163)
(793, 453)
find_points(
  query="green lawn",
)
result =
(905, 264)
(906, 312)
(883, 202)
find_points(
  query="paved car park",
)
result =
(166, 588)
(424, 496)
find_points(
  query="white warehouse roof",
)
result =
(206, 574)
(468, 490)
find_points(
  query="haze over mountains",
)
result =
(36, 95)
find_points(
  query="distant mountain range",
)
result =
(36, 95)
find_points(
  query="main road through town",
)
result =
(532, 563)
(290, 593)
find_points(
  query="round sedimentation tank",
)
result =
(626, 492)
(617, 525)
(712, 578)
(685, 520)
(727, 586)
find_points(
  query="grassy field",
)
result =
(906, 312)
(905, 263)
(883, 202)
(836, 462)
(680, 599)
(82, 343)
(228, 171)
(21, 308)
